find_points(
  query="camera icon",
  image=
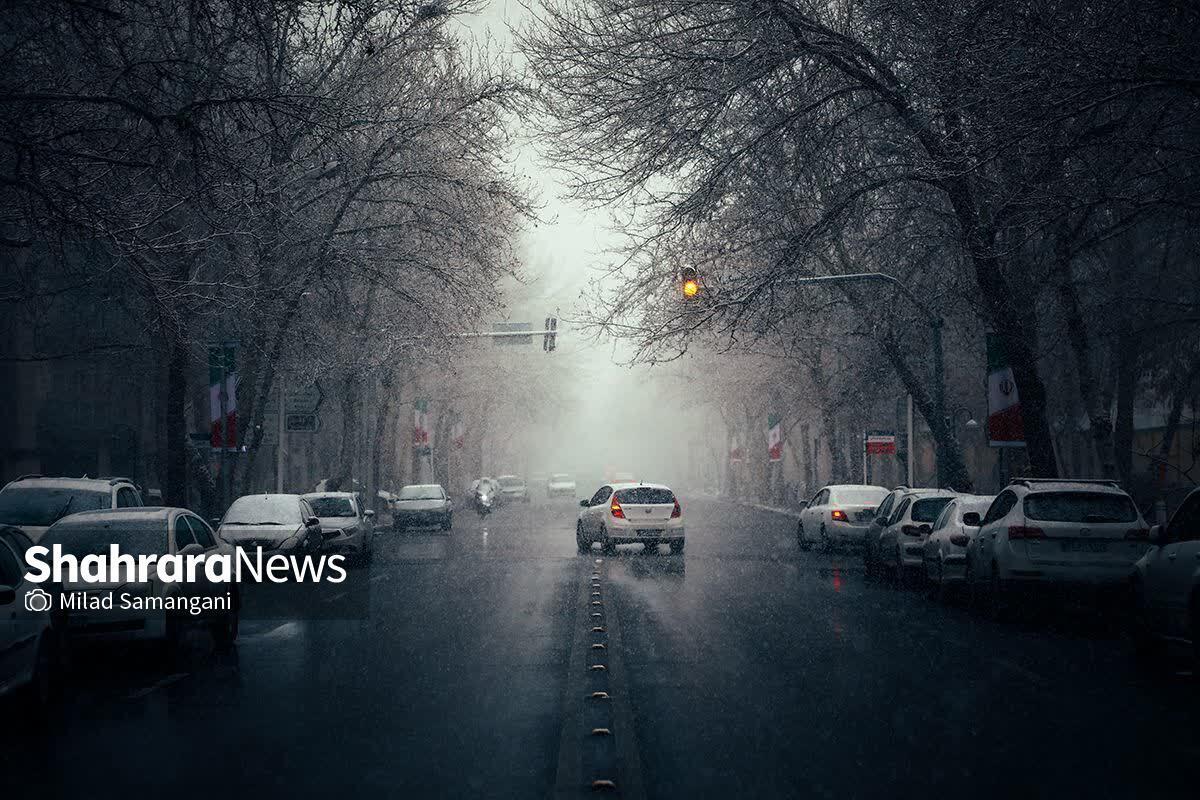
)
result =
(38, 600)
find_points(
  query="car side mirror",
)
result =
(312, 522)
(803, 504)
(214, 521)
(369, 514)
(1158, 535)
(971, 519)
(583, 503)
(193, 549)
(8, 595)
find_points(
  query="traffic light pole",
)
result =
(935, 329)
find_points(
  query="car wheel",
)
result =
(583, 544)
(826, 544)
(448, 524)
(868, 562)
(608, 547)
(677, 548)
(800, 540)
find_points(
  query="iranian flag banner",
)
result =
(421, 423)
(735, 451)
(222, 411)
(1004, 425)
(458, 435)
(774, 438)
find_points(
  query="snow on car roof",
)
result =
(635, 484)
(94, 484)
(117, 515)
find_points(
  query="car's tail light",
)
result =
(1137, 533)
(676, 512)
(1025, 532)
(837, 515)
(912, 530)
(960, 539)
(616, 509)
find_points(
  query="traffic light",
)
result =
(549, 336)
(689, 283)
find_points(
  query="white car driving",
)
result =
(560, 484)
(838, 515)
(1054, 534)
(630, 513)
(945, 555)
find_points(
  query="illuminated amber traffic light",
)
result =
(690, 285)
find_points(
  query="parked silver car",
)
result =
(346, 526)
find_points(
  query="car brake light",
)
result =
(837, 515)
(1025, 532)
(1137, 533)
(677, 511)
(616, 509)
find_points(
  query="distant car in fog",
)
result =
(423, 504)
(838, 515)
(513, 488)
(33, 503)
(281, 522)
(630, 513)
(560, 484)
(346, 526)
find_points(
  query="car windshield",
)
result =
(859, 495)
(42, 505)
(510, 482)
(141, 537)
(927, 510)
(1096, 507)
(258, 509)
(646, 496)
(422, 492)
(331, 506)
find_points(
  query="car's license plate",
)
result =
(644, 532)
(1083, 546)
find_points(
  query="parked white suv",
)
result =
(1166, 584)
(1065, 534)
(33, 503)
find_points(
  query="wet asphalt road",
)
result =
(741, 669)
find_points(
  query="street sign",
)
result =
(302, 423)
(880, 443)
(303, 398)
(510, 328)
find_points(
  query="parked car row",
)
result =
(1035, 538)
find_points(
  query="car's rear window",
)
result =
(43, 505)
(928, 510)
(1095, 507)
(863, 496)
(644, 496)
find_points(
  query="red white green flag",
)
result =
(735, 451)
(458, 434)
(774, 438)
(222, 411)
(421, 423)
(1004, 425)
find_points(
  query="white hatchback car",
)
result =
(838, 515)
(30, 641)
(1055, 534)
(946, 548)
(901, 545)
(630, 513)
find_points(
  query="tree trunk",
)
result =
(351, 397)
(175, 489)
(1127, 380)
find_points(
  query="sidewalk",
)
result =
(787, 512)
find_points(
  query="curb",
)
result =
(787, 512)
